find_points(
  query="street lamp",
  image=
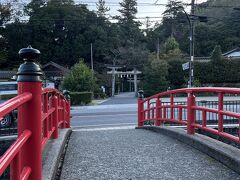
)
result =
(191, 19)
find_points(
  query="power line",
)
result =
(112, 4)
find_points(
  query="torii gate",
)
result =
(114, 72)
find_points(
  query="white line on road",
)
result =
(104, 129)
(107, 115)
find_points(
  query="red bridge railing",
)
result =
(153, 109)
(40, 113)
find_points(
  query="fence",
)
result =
(40, 113)
(194, 114)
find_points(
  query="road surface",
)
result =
(118, 111)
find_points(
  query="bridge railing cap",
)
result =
(29, 53)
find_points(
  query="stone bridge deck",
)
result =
(127, 153)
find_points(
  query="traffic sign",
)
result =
(185, 66)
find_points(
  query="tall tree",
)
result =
(173, 8)
(170, 45)
(34, 5)
(5, 13)
(130, 27)
(128, 11)
(131, 36)
(216, 55)
(155, 76)
(101, 8)
(5, 16)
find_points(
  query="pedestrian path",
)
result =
(136, 154)
(122, 98)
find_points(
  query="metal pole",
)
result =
(113, 78)
(130, 86)
(191, 68)
(158, 49)
(92, 59)
(135, 81)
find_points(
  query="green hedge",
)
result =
(81, 98)
(217, 73)
(7, 96)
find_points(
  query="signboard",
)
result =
(185, 66)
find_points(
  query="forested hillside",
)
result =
(64, 31)
(220, 8)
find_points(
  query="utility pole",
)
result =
(113, 79)
(158, 49)
(191, 68)
(92, 60)
(135, 81)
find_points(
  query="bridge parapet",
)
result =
(154, 109)
(40, 113)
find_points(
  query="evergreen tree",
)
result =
(5, 16)
(128, 11)
(34, 5)
(216, 55)
(155, 76)
(130, 34)
(101, 8)
(171, 45)
(129, 27)
(173, 8)
(5, 13)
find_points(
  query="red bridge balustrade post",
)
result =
(190, 113)
(30, 114)
(140, 108)
(158, 111)
(68, 106)
(54, 103)
(69, 112)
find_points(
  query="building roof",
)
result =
(54, 69)
(233, 54)
(229, 53)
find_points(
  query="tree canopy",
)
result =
(64, 31)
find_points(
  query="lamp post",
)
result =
(191, 18)
(191, 68)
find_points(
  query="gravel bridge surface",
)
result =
(127, 153)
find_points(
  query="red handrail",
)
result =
(152, 109)
(10, 154)
(54, 113)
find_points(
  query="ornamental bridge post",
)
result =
(29, 115)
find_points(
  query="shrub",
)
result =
(79, 79)
(81, 98)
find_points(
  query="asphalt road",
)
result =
(117, 111)
(122, 110)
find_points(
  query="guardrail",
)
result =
(154, 109)
(40, 113)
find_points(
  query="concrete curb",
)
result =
(224, 153)
(52, 154)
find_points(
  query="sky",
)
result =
(146, 8)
